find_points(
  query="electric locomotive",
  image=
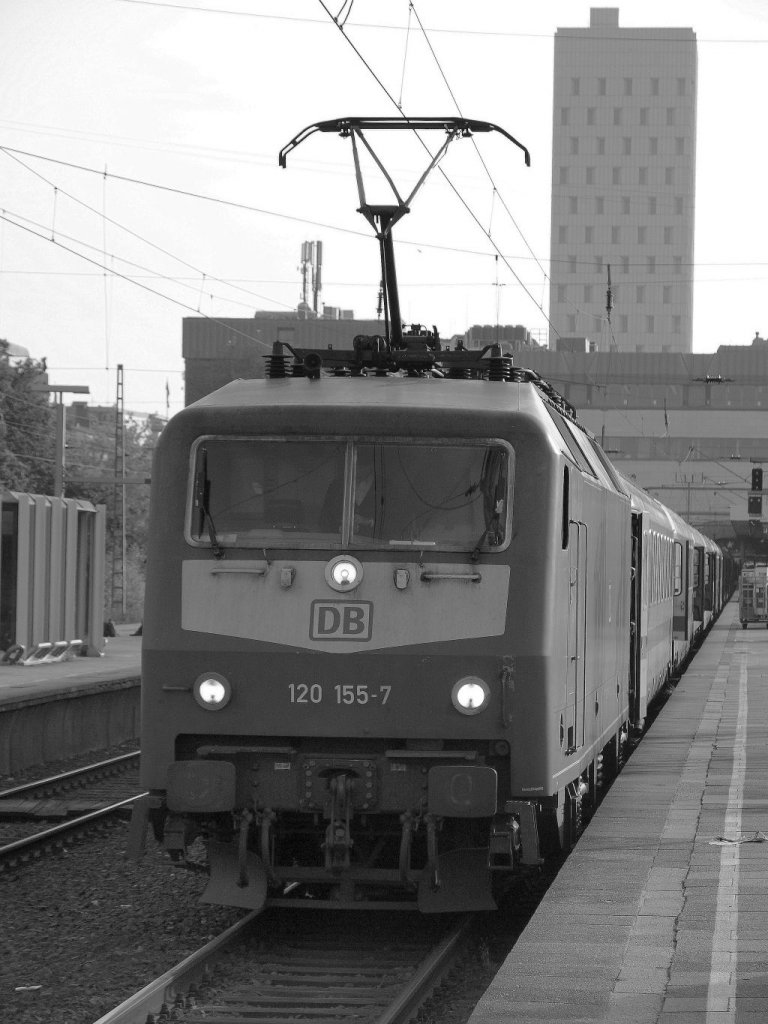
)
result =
(391, 597)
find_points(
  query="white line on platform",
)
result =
(721, 992)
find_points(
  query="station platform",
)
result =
(49, 712)
(660, 914)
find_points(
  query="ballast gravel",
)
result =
(85, 928)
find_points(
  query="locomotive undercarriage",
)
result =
(416, 826)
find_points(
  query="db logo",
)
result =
(341, 620)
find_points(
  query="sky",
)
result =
(139, 179)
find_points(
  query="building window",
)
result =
(563, 175)
(652, 205)
(562, 234)
(625, 264)
(642, 234)
(681, 87)
(574, 145)
(565, 115)
(640, 294)
(642, 175)
(615, 235)
(589, 234)
(601, 87)
(627, 145)
(590, 176)
(623, 323)
(667, 236)
(571, 323)
(650, 323)
(617, 115)
(575, 86)
(669, 175)
(651, 264)
(625, 204)
(677, 264)
(653, 145)
(590, 115)
(627, 86)
(666, 294)
(677, 324)
(616, 176)
(573, 204)
(571, 264)
(562, 293)
(599, 264)
(679, 146)
(587, 292)
(654, 87)
(599, 204)
(644, 116)
(600, 145)
(670, 116)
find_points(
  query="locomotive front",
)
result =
(327, 683)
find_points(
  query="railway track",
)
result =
(286, 967)
(73, 801)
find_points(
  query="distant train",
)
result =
(398, 626)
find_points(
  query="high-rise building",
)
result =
(623, 181)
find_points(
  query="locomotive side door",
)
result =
(576, 678)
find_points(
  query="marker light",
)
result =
(470, 695)
(212, 691)
(343, 573)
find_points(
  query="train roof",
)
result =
(379, 392)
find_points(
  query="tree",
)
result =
(94, 473)
(27, 426)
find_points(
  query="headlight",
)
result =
(212, 691)
(470, 695)
(343, 573)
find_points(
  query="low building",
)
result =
(688, 427)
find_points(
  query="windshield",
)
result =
(353, 493)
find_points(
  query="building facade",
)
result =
(623, 185)
(688, 428)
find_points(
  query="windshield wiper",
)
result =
(202, 497)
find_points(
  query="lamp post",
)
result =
(61, 424)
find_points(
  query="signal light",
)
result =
(755, 501)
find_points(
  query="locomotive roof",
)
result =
(428, 393)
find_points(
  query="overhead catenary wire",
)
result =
(125, 277)
(494, 33)
(134, 234)
(9, 214)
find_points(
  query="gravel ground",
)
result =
(83, 930)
